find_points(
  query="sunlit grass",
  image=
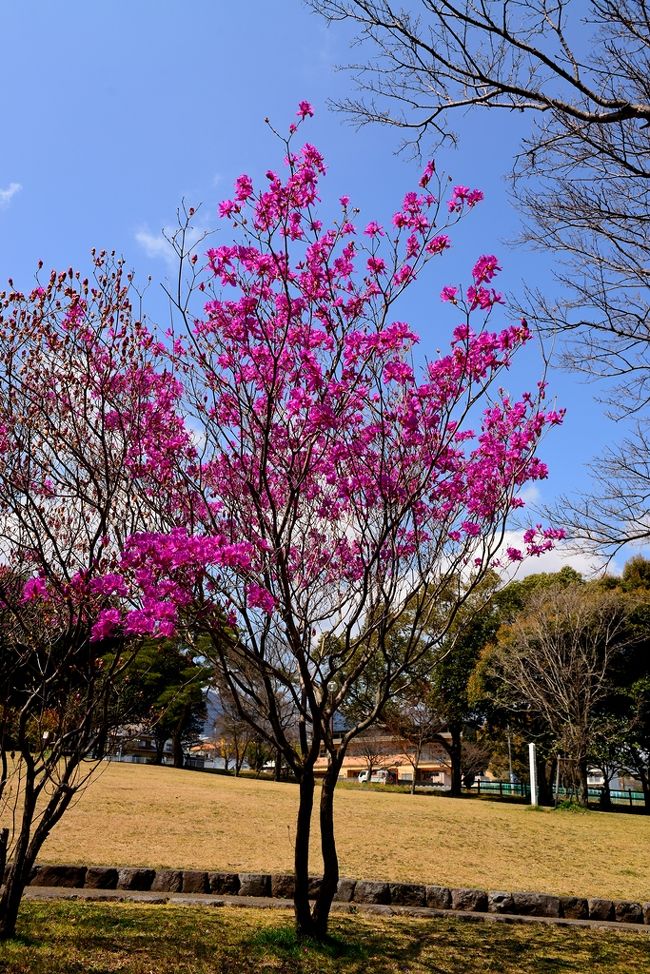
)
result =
(75, 938)
(141, 815)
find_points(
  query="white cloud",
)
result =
(530, 494)
(6, 195)
(197, 435)
(155, 245)
(586, 563)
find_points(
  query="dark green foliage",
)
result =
(165, 688)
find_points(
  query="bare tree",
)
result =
(475, 757)
(377, 750)
(415, 723)
(554, 661)
(581, 178)
(232, 735)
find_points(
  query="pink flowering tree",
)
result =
(286, 478)
(339, 479)
(87, 428)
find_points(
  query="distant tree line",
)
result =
(551, 659)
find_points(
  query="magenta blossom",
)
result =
(449, 294)
(305, 110)
(35, 588)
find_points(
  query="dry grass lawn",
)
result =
(141, 815)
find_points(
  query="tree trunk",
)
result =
(582, 783)
(645, 785)
(415, 766)
(330, 881)
(178, 748)
(24, 856)
(28, 847)
(160, 750)
(639, 766)
(455, 756)
(302, 910)
(605, 795)
(4, 843)
(12, 896)
(545, 776)
(277, 768)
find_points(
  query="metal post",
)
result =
(532, 757)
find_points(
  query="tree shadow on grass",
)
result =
(448, 947)
(77, 938)
(357, 946)
(283, 941)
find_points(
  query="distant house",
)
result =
(208, 754)
(134, 744)
(377, 750)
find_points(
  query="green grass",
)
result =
(83, 938)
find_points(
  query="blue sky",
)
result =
(114, 112)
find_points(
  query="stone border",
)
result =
(364, 892)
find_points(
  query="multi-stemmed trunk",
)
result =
(30, 840)
(330, 880)
(24, 855)
(313, 921)
(18, 873)
(17, 879)
(301, 904)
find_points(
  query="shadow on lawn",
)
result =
(76, 938)
(447, 947)
(282, 941)
(359, 947)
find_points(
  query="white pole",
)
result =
(532, 756)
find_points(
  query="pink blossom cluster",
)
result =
(329, 461)
(317, 422)
(34, 588)
(461, 196)
(160, 572)
(537, 541)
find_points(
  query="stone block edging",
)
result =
(373, 892)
